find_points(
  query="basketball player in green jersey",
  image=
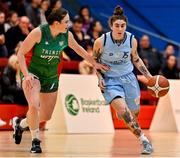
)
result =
(43, 47)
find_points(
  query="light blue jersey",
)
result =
(120, 80)
(117, 57)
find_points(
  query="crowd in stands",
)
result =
(18, 18)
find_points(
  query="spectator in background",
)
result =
(95, 30)
(19, 7)
(54, 4)
(44, 7)
(79, 36)
(18, 33)
(11, 83)
(151, 56)
(4, 7)
(170, 69)
(12, 20)
(3, 49)
(85, 14)
(33, 12)
(169, 50)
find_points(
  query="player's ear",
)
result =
(56, 22)
(111, 27)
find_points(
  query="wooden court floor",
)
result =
(120, 144)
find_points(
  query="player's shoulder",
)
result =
(102, 39)
(131, 36)
(129, 33)
(70, 35)
(36, 32)
(98, 42)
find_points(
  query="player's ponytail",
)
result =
(118, 11)
(118, 14)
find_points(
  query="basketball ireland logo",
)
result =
(72, 104)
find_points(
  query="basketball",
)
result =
(158, 86)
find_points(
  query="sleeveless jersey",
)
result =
(45, 55)
(117, 56)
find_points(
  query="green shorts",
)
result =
(47, 85)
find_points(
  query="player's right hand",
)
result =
(28, 79)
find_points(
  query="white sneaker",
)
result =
(147, 147)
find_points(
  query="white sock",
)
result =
(24, 123)
(35, 133)
(143, 138)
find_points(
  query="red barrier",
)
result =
(8, 111)
(144, 118)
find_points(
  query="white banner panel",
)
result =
(83, 105)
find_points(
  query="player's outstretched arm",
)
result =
(84, 54)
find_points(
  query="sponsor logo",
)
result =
(72, 104)
(61, 43)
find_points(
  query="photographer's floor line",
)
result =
(120, 144)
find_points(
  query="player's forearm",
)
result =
(141, 67)
(22, 64)
(99, 74)
(96, 55)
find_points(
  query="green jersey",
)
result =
(46, 54)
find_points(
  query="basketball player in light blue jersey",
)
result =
(118, 49)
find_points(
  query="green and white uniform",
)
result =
(46, 57)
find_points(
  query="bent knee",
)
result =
(135, 113)
(33, 108)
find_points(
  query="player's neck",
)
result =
(117, 37)
(54, 32)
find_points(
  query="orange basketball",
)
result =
(158, 86)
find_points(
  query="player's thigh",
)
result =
(132, 93)
(47, 104)
(32, 95)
